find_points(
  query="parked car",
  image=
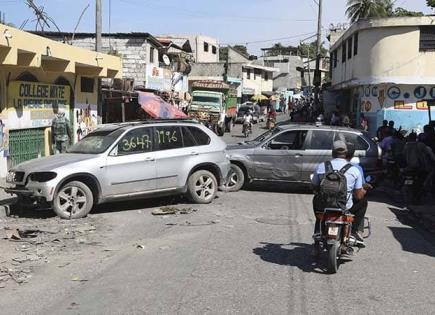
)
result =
(291, 152)
(125, 161)
(257, 115)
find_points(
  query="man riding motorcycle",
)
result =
(355, 190)
(247, 121)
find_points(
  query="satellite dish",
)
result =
(166, 60)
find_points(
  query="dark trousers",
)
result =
(359, 210)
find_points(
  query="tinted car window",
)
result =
(321, 140)
(168, 137)
(188, 140)
(289, 140)
(138, 140)
(200, 136)
(96, 142)
(357, 140)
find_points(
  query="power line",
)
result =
(271, 39)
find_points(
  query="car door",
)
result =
(172, 156)
(367, 158)
(131, 165)
(280, 158)
(318, 149)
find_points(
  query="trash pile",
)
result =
(172, 210)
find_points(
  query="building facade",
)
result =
(289, 77)
(385, 68)
(204, 48)
(38, 77)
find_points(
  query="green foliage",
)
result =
(223, 51)
(431, 3)
(242, 49)
(310, 50)
(403, 12)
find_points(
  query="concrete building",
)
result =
(139, 53)
(250, 79)
(289, 76)
(37, 77)
(204, 48)
(385, 68)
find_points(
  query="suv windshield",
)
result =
(96, 142)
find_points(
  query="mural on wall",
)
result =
(85, 119)
(421, 105)
(400, 104)
(34, 104)
(381, 98)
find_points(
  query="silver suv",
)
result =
(125, 161)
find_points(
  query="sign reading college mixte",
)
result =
(36, 103)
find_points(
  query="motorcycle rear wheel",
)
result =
(333, 258)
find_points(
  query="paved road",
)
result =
(247, 253)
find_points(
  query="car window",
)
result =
(200, 136)
(289, 140)
(188, 139)
(168, 137)
(357, 140)
(321, 140)
(96, 142)
(139, 140)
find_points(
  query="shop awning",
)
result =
(22, 49)
(158, 108)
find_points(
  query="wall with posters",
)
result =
(406, 105)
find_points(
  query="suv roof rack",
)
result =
(154, 121)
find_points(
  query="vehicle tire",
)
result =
(220, 131)
(333, 258)
(202, 187)
(74, 200)
(236, 179)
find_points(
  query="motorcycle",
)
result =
(247, 129)
(335, 235)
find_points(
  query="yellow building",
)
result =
(37, 77)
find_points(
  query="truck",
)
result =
(214, 103)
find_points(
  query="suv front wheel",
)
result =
(202, 187)
(73, 200)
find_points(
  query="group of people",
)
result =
(414, 152)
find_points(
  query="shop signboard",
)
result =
(34, 104)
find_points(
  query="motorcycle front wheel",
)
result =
(333, 258)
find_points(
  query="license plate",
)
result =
(333, 230)
(409, 182)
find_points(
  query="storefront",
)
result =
(38, 77)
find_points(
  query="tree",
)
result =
(310, 50)
(403, 12)
(242, 49)
(361, 9)
(430, 3)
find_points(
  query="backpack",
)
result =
(332, 190)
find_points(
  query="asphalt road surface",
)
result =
(246, 253)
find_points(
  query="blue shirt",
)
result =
(353, 177)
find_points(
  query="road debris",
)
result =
(78, 279)
(140, 246)
(173, 210)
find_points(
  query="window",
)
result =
(168, 138)
(289, 140)
(321, 140)
(266, 76)
(427, 38)
(334, 58)
(349, 48)
(343, 52)
(152, 54)
(357, 140)
(188, 139)
(205, 46)
(214, 50)
(87, 85)
(200, 136)
(96, 142)
(248, 74)
(355, 44)
(139, 140)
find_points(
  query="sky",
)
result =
(258, 23)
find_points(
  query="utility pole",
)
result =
(98, 26)
(317, 75)
(226, 64)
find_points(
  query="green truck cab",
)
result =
(214, 103)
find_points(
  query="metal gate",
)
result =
(26, 144)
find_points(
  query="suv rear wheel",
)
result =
(202, 187)
(74, 200)
(236, 179)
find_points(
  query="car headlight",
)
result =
(42, 176)
(10, 178)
